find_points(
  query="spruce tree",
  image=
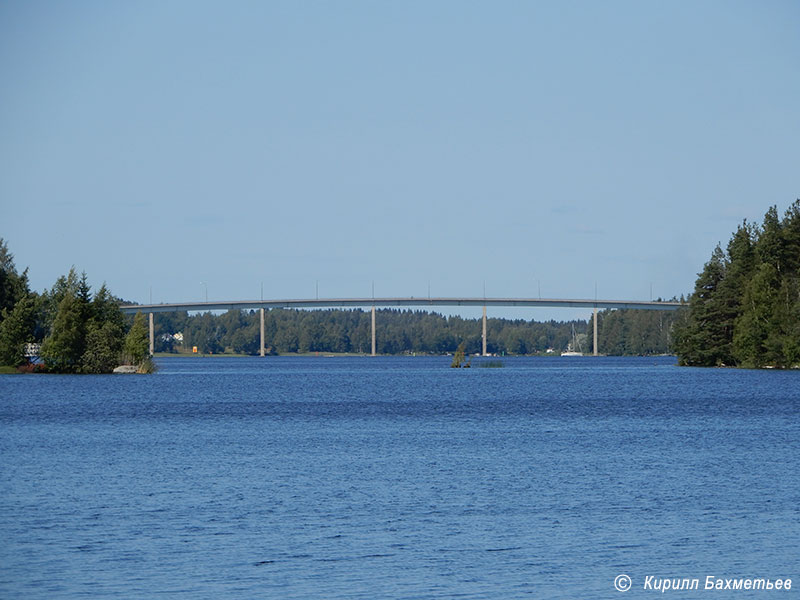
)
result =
(13, 285)
(105, 334)
(137, 343)
(701, 341)
(103, 348)
(754, 339)
(16, 330)
(63, 349)
(791, 239)
(740, 264)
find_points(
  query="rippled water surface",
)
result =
(396, 478)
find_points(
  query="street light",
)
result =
(203, 283)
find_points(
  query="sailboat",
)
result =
(570, 351)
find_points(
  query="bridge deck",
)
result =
(384, 302)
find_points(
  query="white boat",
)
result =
(570, 351)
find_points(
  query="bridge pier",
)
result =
(152, 336)
(594, 345)
(373, 332)
(261, 311)
(483, 332)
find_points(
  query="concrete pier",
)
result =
(483, 333)
(373, 332)
(152, 336)
(261, 312)
(594, 345)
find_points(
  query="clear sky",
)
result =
(539, 147)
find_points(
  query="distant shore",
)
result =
(366, 354)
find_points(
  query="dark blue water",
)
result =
(397, 478)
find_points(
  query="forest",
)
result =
(745, 308)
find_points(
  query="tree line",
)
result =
(78, 331)
(630, 332)
(406, 331)
(745, 308)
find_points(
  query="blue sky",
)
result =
(528, 145)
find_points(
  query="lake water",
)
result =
(397, 478)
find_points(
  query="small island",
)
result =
(67, 329)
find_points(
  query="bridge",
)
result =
(394, 302)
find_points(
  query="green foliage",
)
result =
(63, 349)
(105, 309)
(705, 340)
(81, 333)
(627, 332)
(349, 331)
(105, 331)
(137, 342)
(102, 349)
(16, 329)
(458, 357)
(745, 309)
(147, 366)
(86, 332)
(754, 326)
(13, 285)
(50, 302)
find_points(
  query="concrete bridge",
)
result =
(393, 302)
